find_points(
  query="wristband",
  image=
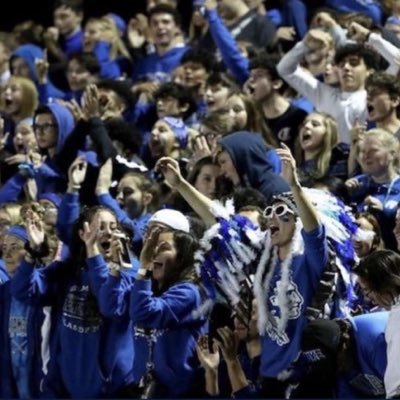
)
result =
(144, 273)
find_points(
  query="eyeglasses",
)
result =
(280, 211)
(44, 127)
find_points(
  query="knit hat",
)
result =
(52, 197)
(180, 130)
(119, 22)
(393, 20)
(171, 218)
(18, 231)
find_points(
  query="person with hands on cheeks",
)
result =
(377, 189)
(134, 202)
(166, 328)
(85, 356)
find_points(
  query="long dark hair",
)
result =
(186, 245)
(77, 246)
(381, 271)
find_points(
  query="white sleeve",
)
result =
(392, 336)
(387, 50)
(307, 85)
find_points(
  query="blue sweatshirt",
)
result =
(371, 8)
(294, 13)
(48, 177)
(72, 44)
(389, 195)
(20, 355)
(228, 47)
(279, 350)
(11, 189)
(169, 316)
(29, 53)
(366, 380)
(248, 153)
(154, 67)
(109, 69)
(83, 358)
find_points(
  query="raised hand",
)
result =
(34, 229)
(285, 33)
(352, 184)
(228, 343)
(357, 32)
(42, 68)
(137, 31)
(324, 20)
(77, 172)
(288, 165)
(170, 170)
(317, 39)
(90, 233)
(209, 360)
(74, 108)
(210, 5)
(373, 203)
(149, 249)
(91, 102)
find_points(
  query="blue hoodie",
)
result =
(72, 44)
(29, 53)
(249, 156)
(24, 317)
(48, 177)
(175, 332)
(366, 381)
(84, 362)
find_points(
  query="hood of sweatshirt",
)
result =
(249, 156)
(65, 123)
(29, 53)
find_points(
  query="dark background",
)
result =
(41, 10)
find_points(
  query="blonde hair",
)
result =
(388, 141)
(29, 95)
(330, 140)
(13, 211)
(109, 33)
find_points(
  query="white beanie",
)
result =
(172, 218)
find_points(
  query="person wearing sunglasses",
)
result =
(287, 276)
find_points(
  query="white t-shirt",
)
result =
(392, 336)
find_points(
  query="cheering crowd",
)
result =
(201, 205)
